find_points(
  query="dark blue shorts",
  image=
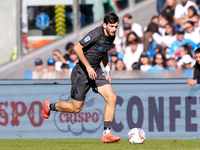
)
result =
(81, 83)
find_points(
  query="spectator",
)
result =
(181, 11)
(191, 18)
(169, 7)
(73, 59)
(196, 75)
(179, 42)
(169, 37)
(59, 60)
(191, 33)
(38, 72)
(186, 62)
(39, 65)
(191, 12)
(135, 26)
(152, 37)
(64, 73)
(65, 67)
(51, 65)
(119, 65)
(127, 30)
(113, 56)
(113, 59)
(69, 47)
(135, 66)
(50, 72)
(151, 34)
(159, 62)
(164, 19)
(113, 48)
(144, 62)
(155, 19)
(132, 36)
(184, 50)
(159, 49)
(196, 22)
(133, 52)
(171, 63)
(187, 65)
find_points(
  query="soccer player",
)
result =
(196, 77)
(91, 50)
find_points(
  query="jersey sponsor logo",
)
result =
(103, 48)
(86, 39)
(101, 41)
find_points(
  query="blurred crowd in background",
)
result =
(168, 42)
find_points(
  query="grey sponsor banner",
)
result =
(163, 109)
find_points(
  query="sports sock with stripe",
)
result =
(52, 106)
(107, 125)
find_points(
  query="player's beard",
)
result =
(110, 33)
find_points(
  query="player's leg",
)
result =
(78, 91)
(108, 94)
(74, 107)
(63, 106)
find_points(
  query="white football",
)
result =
(136, 136)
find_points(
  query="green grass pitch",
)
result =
(96, 144)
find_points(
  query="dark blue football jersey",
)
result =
(96, 44)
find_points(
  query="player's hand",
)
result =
(91, 73)
(191, 82)
(108, 77)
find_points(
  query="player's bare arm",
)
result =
(78, 48)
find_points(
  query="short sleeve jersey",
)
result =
(95, 46)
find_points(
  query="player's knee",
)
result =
(112, 100)
(77, 109)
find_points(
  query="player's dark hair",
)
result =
(111, 18)
(197, 51)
